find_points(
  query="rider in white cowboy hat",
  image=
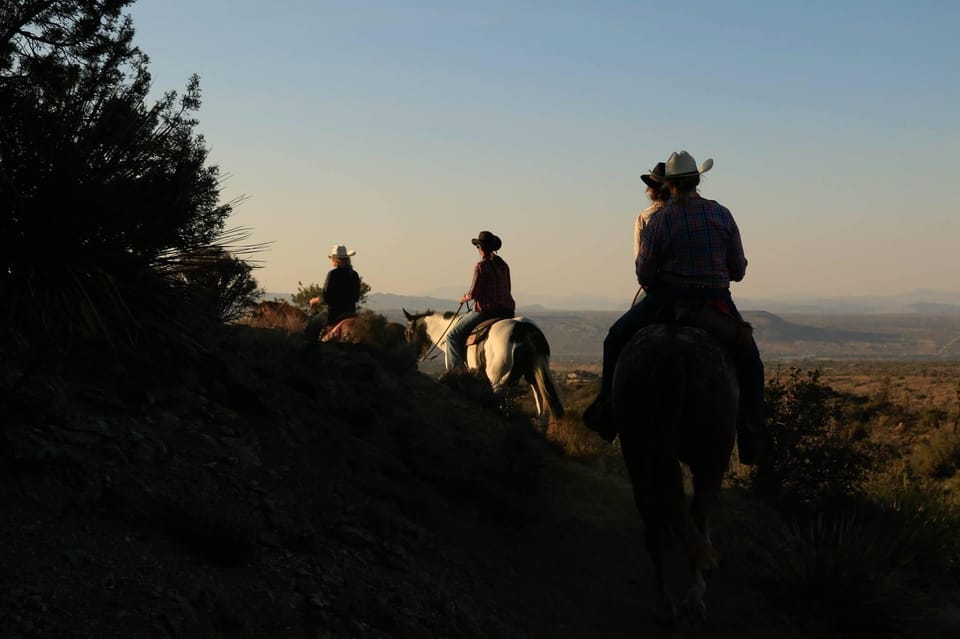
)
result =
(341, 289)
(690, 251)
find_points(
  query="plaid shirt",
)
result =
(490, 289)
(691, 245)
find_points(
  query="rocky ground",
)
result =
(262, 487)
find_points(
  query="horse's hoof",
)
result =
(668, 614)
(695, 610)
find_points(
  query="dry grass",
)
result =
(276, 315)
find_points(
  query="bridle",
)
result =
(434, 344)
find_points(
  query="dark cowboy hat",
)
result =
(652, 179)
(488, 241)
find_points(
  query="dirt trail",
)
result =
(581, 570)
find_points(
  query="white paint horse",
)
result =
(513, 348)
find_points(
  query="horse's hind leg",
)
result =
(666, 610)
(706, 491)
(658, 494)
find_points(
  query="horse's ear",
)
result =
(407, 315)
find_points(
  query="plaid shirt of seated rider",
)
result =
(490, 289)
(691, 245)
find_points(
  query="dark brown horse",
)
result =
(675, 397)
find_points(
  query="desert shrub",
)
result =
(574, 439)
(931, 417)
(374, 329)
(301, 299)
(386, 337)
(937, 456)
(812, 459)
(472, 384)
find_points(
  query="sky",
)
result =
(402, 129)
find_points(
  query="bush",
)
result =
(812, 460)
(301, 299)
(937, 456)
(387, 337)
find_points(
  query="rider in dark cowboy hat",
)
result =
(490, 294)
(690, 251)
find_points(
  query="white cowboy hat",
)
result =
(339, 250)
(682, 164)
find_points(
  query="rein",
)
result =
(433, 345)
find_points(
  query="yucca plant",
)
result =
(838, 575)
(931, 523)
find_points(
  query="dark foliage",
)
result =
(301, 299)
(102, 197)
(812, 462)
(221, 285)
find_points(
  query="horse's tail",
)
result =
(548, 388)
(532, 340)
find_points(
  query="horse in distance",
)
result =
(512, 349)
(675, 400)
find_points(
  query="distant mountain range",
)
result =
(913, 302)
(921, 301)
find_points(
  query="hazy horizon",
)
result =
(403, 129)
(919, 301)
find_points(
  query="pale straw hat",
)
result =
(682, 164)
(340, 251)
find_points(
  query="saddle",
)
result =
(340, 329)
(733, 333)
(479, 334)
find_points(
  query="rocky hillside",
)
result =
(263, 487)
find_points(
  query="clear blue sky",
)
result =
(402, 129)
